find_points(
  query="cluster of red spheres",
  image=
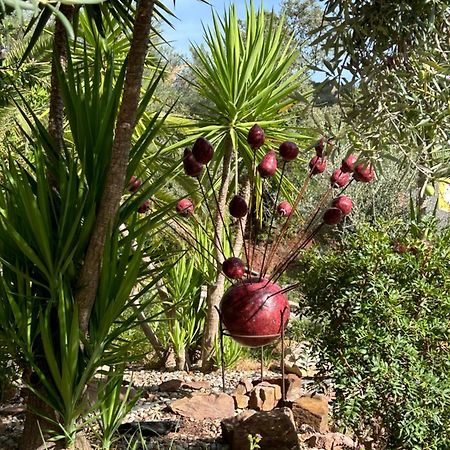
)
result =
(255, 310)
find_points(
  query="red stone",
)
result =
(251, 312)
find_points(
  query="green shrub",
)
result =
(382, 300)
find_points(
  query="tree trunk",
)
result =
(215, 291)
(56, 108)
(115, 177)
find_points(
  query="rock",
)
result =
(276, 428)
(292, 384)
(311, 410)
(264, 396)
(204, 406)
(244, 387)
(196, 385)
(240, 401)
(330, 441)
(148, 428)
(170, 385)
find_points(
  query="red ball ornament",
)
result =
(284, 209)
(268, 165)
(339, 178)
(288, 151)
(185, 207)
(233, 268)
(317, 165)
(254, 312)
(256, 136)
(343, 203)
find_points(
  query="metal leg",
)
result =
(222, 361)
(262, 363)
(283, 381)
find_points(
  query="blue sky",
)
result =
(191, 15)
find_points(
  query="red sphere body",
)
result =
(317, 165)
(343, 203)
(252, 312)
(284, 209)
(364, 173)
(288, 151)
(339, 178)
(256, 136)
(185, 207)
(202, 150)
(348, 164)
(238, 207)
(268, 165)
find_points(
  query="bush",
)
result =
(382, 299)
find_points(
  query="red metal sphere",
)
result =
(288, 151)
(191, 166)
(256, 136)
(202, 150)
(339, 178)
(134, 184)
(343, 203)
(268, 165)
(284, 209)
(238, 207)
(184, 207)
(254, 311)
(364, 173)
(317, 165)
(348, 164)
(233, 268)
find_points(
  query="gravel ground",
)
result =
(190, 434)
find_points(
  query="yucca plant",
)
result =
(244, 78)
(46, 227)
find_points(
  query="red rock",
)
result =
(330, 441)
(244, 387)
(204, 406)
(276, 428)
(264, 396)
(196, 385)
(311, 410)
(240, 401)
(170, 385)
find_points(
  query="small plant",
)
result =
(114, 404)
(254, 441)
